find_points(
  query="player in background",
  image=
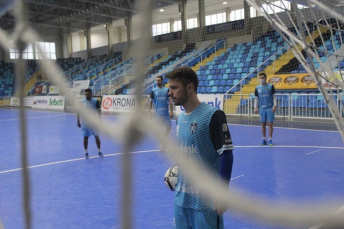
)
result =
(267, 101)
(92, 103)
(202, 134)
(163, 105)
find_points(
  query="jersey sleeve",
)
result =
(151, 96)
(256, 92)
(219, 132)
(272, 89)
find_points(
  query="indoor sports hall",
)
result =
(51, 51)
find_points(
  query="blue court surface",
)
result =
(68, 191)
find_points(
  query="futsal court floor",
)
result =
(68, 191)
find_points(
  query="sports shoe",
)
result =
(263, 142)
(86, 155)
(100, 154)
(270, 143)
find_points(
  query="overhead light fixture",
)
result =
(224, 3)
(162, 10)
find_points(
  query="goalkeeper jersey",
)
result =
(202, 135)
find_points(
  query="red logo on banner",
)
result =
(107, 103)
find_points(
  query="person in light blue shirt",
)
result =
(267, 102)
(203, 134)
(92, 103)
(162, 104)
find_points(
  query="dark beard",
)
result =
(182, 100)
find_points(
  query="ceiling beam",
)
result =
(72, 9)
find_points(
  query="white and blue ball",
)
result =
(171, 177)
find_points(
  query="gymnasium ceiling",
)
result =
(74, 15)
(48, 16)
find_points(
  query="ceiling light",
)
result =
(162, 10)
(224, 3)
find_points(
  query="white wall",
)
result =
(76, 39)
(99, 39)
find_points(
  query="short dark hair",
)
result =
(160, 77)
(262, 74)
(88, 90)
(185, 75)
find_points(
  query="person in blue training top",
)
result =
(92, 103)
(163, 105)
(266, 99)
(203, 134)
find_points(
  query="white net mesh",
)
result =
(129, 130)
(314, 35)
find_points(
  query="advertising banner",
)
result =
(56, 102)
(38, 90)
(40, 102)
(49, 102)
(82, 84)
(329, 85)
(118, 103)
(54, 90)
(292, 81)
(15, 102)
(215, 100)
(28, 101)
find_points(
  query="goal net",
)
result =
(308, 40)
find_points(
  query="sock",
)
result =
(270, 139)
(264, 138)
(85, 150)
(99, 150)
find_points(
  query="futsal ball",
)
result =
(171, 177)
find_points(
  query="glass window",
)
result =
(177, 26)
(161, 28)
(191, 23)
(236, 15)
(215, 19)
(48, 48)
(27, 53)
(253, 12)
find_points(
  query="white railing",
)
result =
(289, 106)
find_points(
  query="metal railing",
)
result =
(289, 106)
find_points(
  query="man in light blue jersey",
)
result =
(92, 103)
(266, 99)
(162, 103)
(202, 134)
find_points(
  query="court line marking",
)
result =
(289, 146)
(288, 128)
(72, 160)
(314, 151)
(156, 150)
(17, 119)
(237, 177)
(173, 120)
